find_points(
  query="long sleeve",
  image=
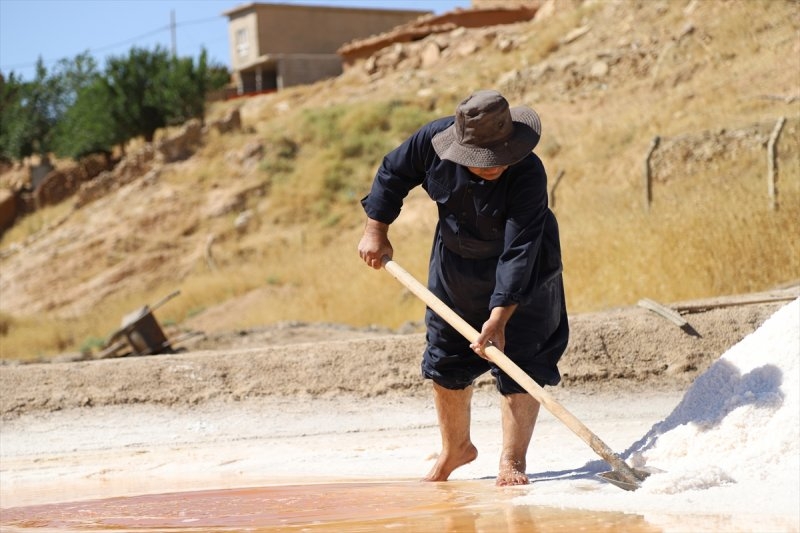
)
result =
(401, 170)
(531, 253)
(505, 220)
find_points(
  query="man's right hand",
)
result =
(374, 244)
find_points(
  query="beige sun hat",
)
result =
(488, 133)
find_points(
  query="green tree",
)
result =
(75, 110)
(135, 86)
(40, 101)
(30, 111)
(189, 86)
(71, 76)
(151, 89)
(84, 122)
(186, 89)
(13, 124)
(87, 126)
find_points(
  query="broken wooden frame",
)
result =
(141, 332)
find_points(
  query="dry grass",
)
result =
(678, 253)
(709, 230)
(33, 338)
(35, 222)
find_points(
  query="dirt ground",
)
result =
(629, 348)
(304, 405)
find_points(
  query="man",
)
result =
(495, 260)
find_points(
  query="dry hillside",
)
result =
(245, 229)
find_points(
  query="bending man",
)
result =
(495, 260)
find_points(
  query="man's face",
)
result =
(488, 173)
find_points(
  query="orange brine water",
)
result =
(454, 506)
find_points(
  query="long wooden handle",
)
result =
(510, 368)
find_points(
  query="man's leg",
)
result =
(519, 417)
(453, 409)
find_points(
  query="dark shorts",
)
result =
(536, 335)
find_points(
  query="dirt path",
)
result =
(624, 349)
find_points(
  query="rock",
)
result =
(431, 54)
(8, 209)
(575, 34)
(182, 145)
(467, 49)
(243, 220)
(231, 122)
(252, 150)
(505, 45)
(222, 202)
(599, 69)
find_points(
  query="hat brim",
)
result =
(527, 131)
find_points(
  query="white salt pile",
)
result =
(740, 421)
(731, 447)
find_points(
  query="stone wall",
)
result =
(364, 49)
(60, 184)
(505, 4)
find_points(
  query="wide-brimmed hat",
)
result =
(488, 133)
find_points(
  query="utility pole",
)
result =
(172, 32)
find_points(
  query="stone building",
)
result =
(274, 46)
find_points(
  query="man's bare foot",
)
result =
(447, 462)
(512, 472)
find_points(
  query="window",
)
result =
(242, 46)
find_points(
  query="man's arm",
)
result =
(401, 170)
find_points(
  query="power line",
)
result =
(103, 48)
(126, 41)
(198, 21)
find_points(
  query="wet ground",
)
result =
(461, 506)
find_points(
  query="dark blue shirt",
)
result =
(507, 219)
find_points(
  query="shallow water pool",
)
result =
(455, 506)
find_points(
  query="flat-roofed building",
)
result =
(274, 46)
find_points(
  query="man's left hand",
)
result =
(493, 331)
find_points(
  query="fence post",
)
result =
(552, 194)
(772, 164)
(648, 173)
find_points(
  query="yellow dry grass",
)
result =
(708, 232)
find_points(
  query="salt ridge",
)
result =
(728, 455)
